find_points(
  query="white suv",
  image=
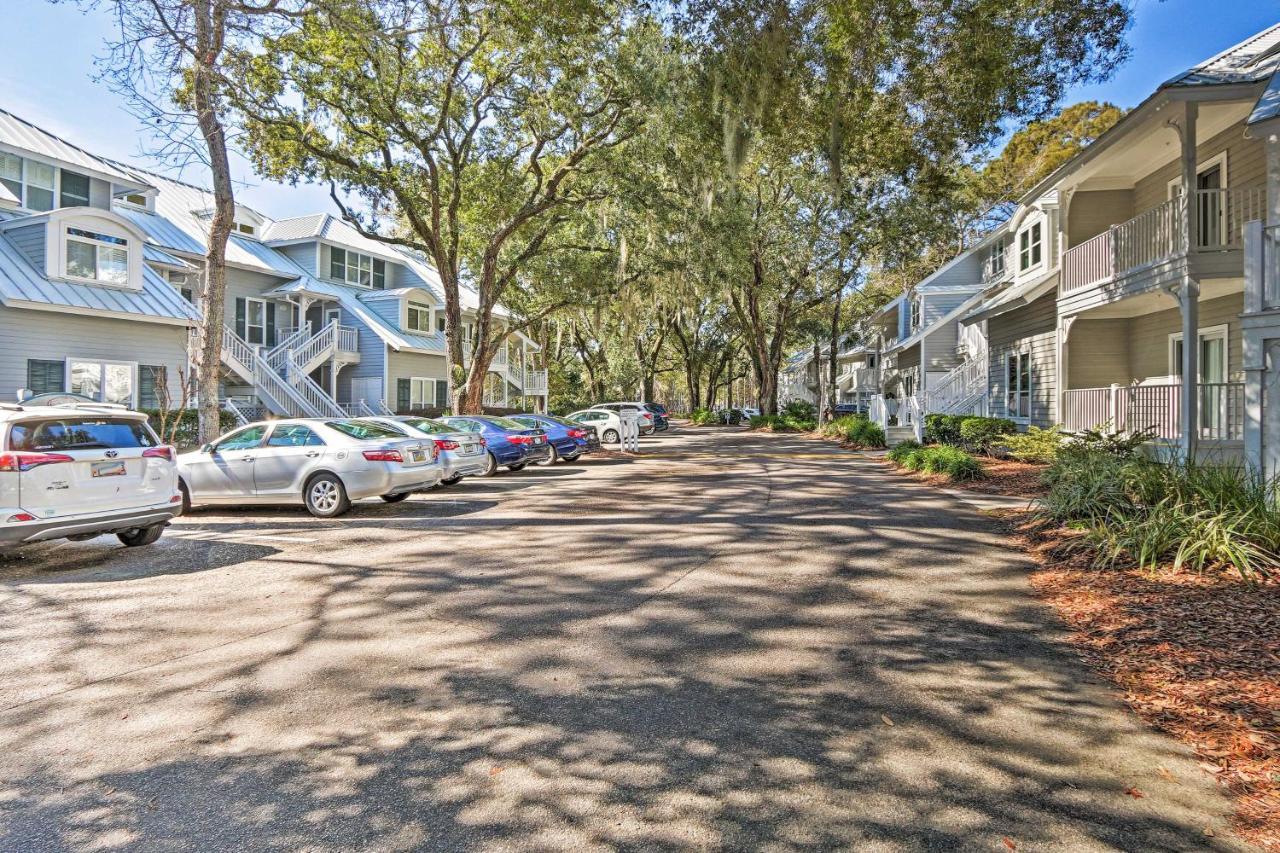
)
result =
(81, 470)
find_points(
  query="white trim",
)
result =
(1042, 221)
(430, 383)
(103, 362)
(430, 311)
(1018, 352)
(1219, 159)
(249, 300)
(81, 311)
(1220, 332)
(89, 219)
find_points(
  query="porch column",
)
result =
(1063, 355)
(1189, 292)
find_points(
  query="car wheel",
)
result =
(325, 496)
(395, 499)
(491, 466)
(186, 497)
(552, 459)
(519, 466)
(451, 481)
(137, 536)
(610, 436)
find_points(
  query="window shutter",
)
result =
(150, 377)
(45, 376)
(271, 324)
(442, 393)
(403, 391)
(240, 330)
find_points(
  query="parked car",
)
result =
(322, 464)
(507, 442)
(81, 470)
(660, 420)
(750, 412)
(844, 409)
(606, 422)
(462, 454)
(646, 417)
(568, 440)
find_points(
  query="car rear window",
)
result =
(507, 423)
(363, 430)
(429, 426)
(80, 433)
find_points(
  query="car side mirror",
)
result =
(206, 448)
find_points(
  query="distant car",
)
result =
(568, 440)
(750, 412)
(606, 422)
(462, 454)
(661, 421)
(507, 442)
(647, 425)
(324, 464)
(844, 409)
(81, 470)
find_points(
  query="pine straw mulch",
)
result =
(1198, 657)
(1003, 477)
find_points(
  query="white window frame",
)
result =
(997, 256)
(1035, 226)
(358, 267)
(24, 182)
(428, 311)
(1014, 393)
(102, 375)
(250, 300)
(100, 222)
(1219, 159)
(1220, 332)
(89, 240)
(421, 401)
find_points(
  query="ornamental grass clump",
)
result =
(1187, 516)
(952, 462)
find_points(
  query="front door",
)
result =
(1214, 396)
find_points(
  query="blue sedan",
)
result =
(568, 440)
(507, 442)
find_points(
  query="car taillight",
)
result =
(21, 516)
(484, 442)
(577, 433)
(165, 452)
(383, 456)
(27, 461)
(520, 439)
(445, 444)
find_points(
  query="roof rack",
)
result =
(80, 404)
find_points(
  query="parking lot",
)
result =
(730, 640)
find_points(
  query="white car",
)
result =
(323, 464)
(636, 410)
(749, 412)
(80, 470)
(607, 422)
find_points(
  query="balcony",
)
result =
(1157, 408)
(1159, 234)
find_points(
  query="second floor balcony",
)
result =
(1160, 234)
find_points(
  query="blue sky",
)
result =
(47, 76)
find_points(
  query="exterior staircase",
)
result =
(280, 375)
(962, 391)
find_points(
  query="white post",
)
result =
(1113, 407)
(1189, 292)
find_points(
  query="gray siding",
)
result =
(1246, 166)
(373, 354)
(940, 348)
(1032, 329)
(28, 334)
(1097, 353)
(1091, 213)
(403, 365)
(243, 283)
(303, 254)
(30, 241)
(99, 193)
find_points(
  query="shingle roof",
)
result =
(21, 134)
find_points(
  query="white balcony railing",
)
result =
(535, 382)
(1157, 408)
(1160, 233)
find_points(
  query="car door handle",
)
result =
(246, 458)
(313, 453)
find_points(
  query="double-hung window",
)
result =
(1030, 246)
(422, 393)
(255, 321)
(36, 184)
(915, 315)
(356, 268)
(1018, 385)
(97, 257)
(418, 318)
(995, 262)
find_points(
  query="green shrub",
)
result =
(773, 422)
(942, 429)
(794, 424)
(902, 450)
(800, 410)
(1102, 439)
(864, 433)
(1034, 445)
(1146, 513)
(840, 427)
(183, 427)
(980, 435)
(703, 417)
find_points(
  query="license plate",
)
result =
(113, 468)
(416, 455)
(537, 441)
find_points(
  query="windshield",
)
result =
(429, 426)
(506, 423)
(80, 433)
(363, 430)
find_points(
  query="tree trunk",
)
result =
(833, 357)
(209, 32)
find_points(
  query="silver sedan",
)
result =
(322, 464)
(461, 453)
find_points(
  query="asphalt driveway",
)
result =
(734, 642)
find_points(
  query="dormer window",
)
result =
(996, 261)
(915, 314)
(74, 191)
(418, 318)
(1030, 246)
(246, 228)
(136, 198)
(94, 256)
(40, 186)
(356, 268)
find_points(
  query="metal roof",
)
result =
(18, 133)
(1256, 58)
(21, 285)
(352, 301)
(1009, 298)
(1268, 105)
(159, 256)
